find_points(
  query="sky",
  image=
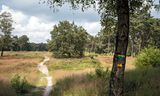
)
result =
(37, 20)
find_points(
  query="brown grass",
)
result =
(60, 74)
(9, 67)
(107, 61)
(20, 63)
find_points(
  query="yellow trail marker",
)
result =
(119, 65)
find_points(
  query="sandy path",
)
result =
(43, 68)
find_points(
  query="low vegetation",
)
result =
(76, 76)
(144, 82)
(20, 84)
(23, 64)
(149, 57)
(90, 84)
(138, 81)
(73, 64)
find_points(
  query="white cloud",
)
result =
(17, 16)
(92, 27)
(37, 28)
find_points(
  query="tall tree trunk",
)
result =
(119, 60)
(2, 49)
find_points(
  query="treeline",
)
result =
(15, 43)
(70, 40)
(144, 33)
(22, 44)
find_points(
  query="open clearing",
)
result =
(25, 64)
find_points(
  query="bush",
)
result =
(102, 81)
(149, 57)
(20, 84)
(76, 85)
(142, 82)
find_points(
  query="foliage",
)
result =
(22, 44)
(5, 30)
(144, 31)
(106, 8)
(138, 82)
(76, 86)
(142, 82)
(20, 84)
(103, 76)
(68, 40)
(38, 47)
(105, 41)
(149, 58)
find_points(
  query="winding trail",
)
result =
(43, 68)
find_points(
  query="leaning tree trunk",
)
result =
(119, 60)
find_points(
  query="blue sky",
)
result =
(37, 20)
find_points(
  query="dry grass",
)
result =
(25, 67)
(76, 85)
(106, 61)
(62, 68)
(60, 74)
(25, 64)
(21, 63)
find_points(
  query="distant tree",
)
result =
(23, 43)
(33, 47)
(106, 39)
(68, 40)
(143, 31)
(42, 47)
(38, 47)
(14, 44)
(107, 34)
(5, 30)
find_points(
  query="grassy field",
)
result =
(138, 82)
(21, 63)
(75, 77)
(60, 68)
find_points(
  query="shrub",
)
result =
(142, 82)
(76, 85)
(102, 80)
(20, 84)
(149, 57)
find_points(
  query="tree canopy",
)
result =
(68, 40)
(5, 30)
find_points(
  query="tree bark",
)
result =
(119, 59)
(2, 49)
